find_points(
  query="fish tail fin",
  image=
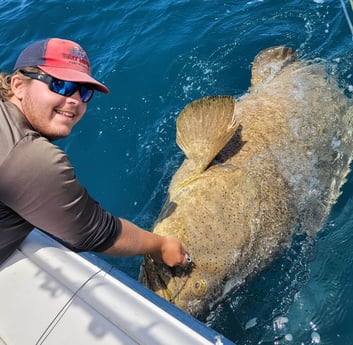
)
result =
(204, 127)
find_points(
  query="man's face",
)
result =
(49, 113)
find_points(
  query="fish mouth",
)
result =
(165, 281)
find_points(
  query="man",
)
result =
(42, 100)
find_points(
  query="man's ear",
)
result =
(18, 86)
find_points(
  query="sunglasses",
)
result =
(62, 87)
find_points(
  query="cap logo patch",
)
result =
(77, 56)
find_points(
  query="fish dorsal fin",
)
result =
(269, 62)
(204, 127)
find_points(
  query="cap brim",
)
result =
(73, 75)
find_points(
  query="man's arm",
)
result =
(133, 240)
(40, 185)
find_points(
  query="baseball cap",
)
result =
(62, 59)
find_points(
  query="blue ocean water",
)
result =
(157, 56)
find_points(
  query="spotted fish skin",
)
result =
(256, 168)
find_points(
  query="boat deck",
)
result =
(51, 295)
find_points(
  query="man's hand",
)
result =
(171, 252)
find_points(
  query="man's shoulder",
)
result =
(34, 163)
(13, 128)
(12, 118)
(37, 151)
(30, 152)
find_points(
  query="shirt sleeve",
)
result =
(39, 184)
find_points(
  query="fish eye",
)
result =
(199, 288)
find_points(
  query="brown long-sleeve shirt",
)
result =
(38, 188)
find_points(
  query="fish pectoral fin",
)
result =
(204, 127)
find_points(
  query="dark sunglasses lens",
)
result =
(68, 88)
(86, 93)
(65, 88)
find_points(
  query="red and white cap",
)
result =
(62, 59)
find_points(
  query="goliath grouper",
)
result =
(257, 169)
